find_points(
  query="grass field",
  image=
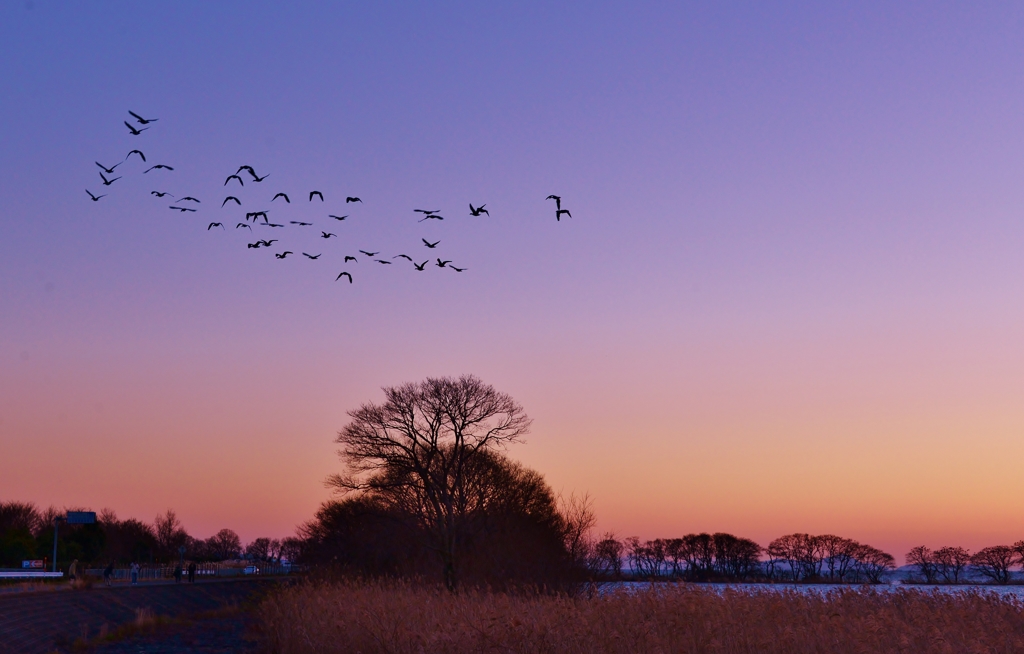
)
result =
(380, 617)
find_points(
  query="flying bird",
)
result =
(160, 194)
(312, 193)
(326, 235)
(256, 214)
(231, 177)
(143, 121)
(430, 216)
(284, 254)
(441, 264)
(557, 199)
(350, 258)
(558, 214)
(420, 266)
(352, 199)
(138, 152)
(404, 256)
(456, 269)
(259, 179)
(109, 171)
(382, 261)
(212, 225)
(231, 197)
(156, 167)
(311, 256)
(370, 254)
(429, 244)
(246, 225)
(134, 130)
(108, 182)
(282, 195)
(95, 198)
(248, 168)
(425, 211)
(479, 210)
(268, 224)
(337, 217)
(183, 209)
(344, 274)
(189, 199)
(300, 223)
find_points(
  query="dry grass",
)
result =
(351, 617)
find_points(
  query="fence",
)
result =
(203, 571)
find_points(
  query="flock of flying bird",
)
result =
(261, 218)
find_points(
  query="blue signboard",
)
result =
(81, 517)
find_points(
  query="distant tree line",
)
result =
(724, 557)
(26, 533)
(950, 565)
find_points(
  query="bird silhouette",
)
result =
(183, 209)
(344, 274)
(157, 167)
(259, 179)
(284, 254)
(300, 223)
(212, 225)
(138, 152)
(248, 168)
(429, 244)
(337, 217)
(326, 235)
(159, 194)
(350, 258)
(189, 199)
(403, 256)
(133, 129)
(231, 177)
(352, 199)
(231, 197)
(557, 199)
(143, 121)
(246, 225)
(430, 216)
(441, 264)
(273, 225)
(370, 254)
(256, 214)
(108, 182)
(311, 256)
(420, 266)
(282, 195)
(558, 214)
(456, 269)
(479, 210)
(426, 211)
(383, 261)
(109, 171)
(312, 193)
(95, 198)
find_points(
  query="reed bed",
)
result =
(401, 618)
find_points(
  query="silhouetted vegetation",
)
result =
(26, 533)
(950, 565)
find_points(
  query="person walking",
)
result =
(192, 572)
(73, 571)
(108, 572)
(135, 573)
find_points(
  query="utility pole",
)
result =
(56, 521)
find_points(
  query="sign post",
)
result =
(72, 518)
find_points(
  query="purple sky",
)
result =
(789, 298)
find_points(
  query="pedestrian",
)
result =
(73, 571)
(135, 573)
(108, 572)
(177, 573)
(192, 572)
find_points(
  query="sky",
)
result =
(788, 298)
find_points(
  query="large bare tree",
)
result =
(418, 449)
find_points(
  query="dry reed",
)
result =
(399, 618)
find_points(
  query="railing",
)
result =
(203, 571)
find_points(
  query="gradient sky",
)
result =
(789, 298)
